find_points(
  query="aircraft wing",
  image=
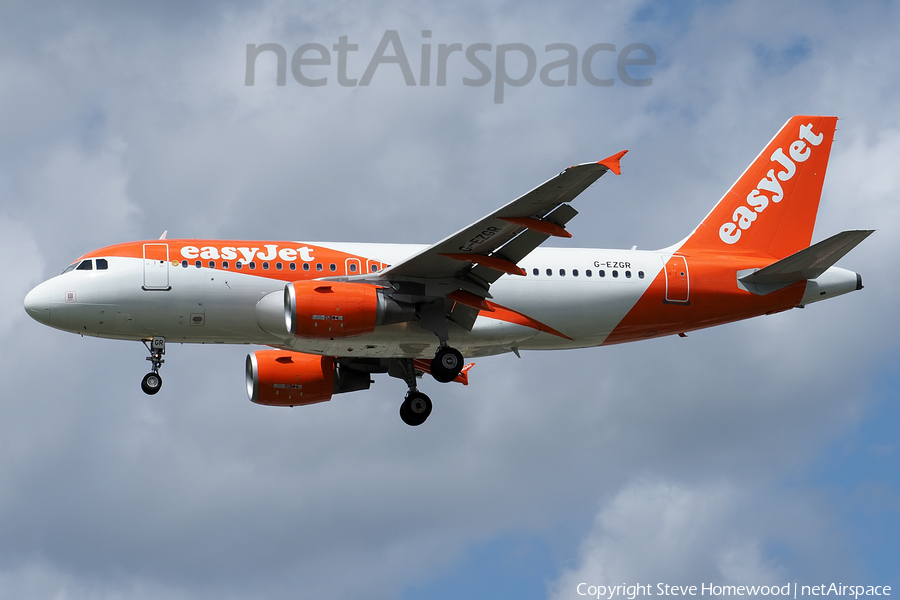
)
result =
(476, 256)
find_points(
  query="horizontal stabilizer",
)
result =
(811, 262)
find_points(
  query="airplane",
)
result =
(334, 314)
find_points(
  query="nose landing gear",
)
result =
(152, 381)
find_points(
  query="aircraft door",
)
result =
(156, 267)
(353, 266)
(678, 284)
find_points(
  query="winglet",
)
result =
(612, 162)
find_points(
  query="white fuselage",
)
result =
(582, 294)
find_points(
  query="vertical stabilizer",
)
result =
(771, 209)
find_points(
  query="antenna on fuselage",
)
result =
(163, 236)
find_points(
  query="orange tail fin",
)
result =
(771, 209)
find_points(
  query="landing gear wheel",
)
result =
(151, 383)
(415, 408)
(152, 380)
(446, 364)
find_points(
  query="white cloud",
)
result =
(679, 534)
(38, 579)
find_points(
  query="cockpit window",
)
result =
(88, 265)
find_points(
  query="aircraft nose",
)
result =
(37, 303)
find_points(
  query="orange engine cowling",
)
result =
(336, 309)
(282, 378)
(278, 378)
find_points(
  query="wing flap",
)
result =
(521, 246)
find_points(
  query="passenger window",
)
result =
(319, 267)
(562, 272)
(373, 268)
(212, 264)
(102, 265)
(306, 266)
(224, 264)
(549, 272)
(353, 267)
(251, 264)
(265, 266)
(198, 264)
(588, 273)
(85, 265)
(184, 264)
(574, 272)
(332, 267)
(640, 274)
(601, 273)
(627, 274)
(278, 266)
(238, 265)
(615, 273)
(536, 271)
(293, 266)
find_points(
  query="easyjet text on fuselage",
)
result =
(247, 253)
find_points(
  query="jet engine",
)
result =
(281, 378)
(335, 309)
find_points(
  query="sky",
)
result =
(758, 453)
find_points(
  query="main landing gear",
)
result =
(445, 367)
(415, 408)
(446, 364)
(152, 381)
